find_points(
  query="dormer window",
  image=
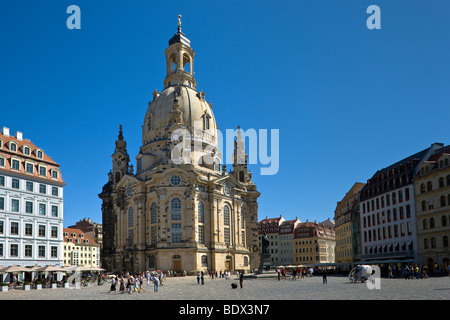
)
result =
(42, 171)
(13, 146)
(15, 164)
(26, 150)
(54, 174)
(40, 154)
(1, 143)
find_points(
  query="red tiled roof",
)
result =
(7, 153)
(78, 234)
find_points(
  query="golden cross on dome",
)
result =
(179, 20)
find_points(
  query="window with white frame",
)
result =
(42, 170)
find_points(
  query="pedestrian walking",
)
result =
(324, 275)
(198, 277)
(241, 279)
(279, 274)
(113, 284)
(202, 278)
(121, 285)
(155, 284)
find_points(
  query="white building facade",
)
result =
(31, 204)
(388, 211)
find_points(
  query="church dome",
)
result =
(178, 106)
(192, 106)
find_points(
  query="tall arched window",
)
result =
(429, 186)
(130, 217)
(425, 224)
(431, 223)
(442, 201)
(444, 221)
(226, 222)
(445, 241)
(175, 209)
(153, 212)
(226, 215)
(201, 212)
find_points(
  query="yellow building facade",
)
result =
(343, 216)
(432, 186)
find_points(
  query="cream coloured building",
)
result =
(180, 210)
(80, 249)
(432, 184)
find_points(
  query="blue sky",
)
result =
(347, 100)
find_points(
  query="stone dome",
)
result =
(190, 103)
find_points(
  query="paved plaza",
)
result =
(186, 288)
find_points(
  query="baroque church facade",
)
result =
(181, 210)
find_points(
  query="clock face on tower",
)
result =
(119, 162)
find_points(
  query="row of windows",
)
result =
(429, 186)
(29, 167)
(430, 205)
(377, 219)
(388, 232)
(430, 223)
(29, 207)
(26, 150)
(29, 186)
(14, 229)
(28, 251)
(375, 204)
(175, 207)
(397, 247)
(431, 243)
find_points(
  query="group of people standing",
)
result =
(413, 271)
(133, 283)
(297, 273)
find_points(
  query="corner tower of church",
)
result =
(184, 216)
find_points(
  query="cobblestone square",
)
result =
(186, 288)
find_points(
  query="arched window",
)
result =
(226, 215)
(426, 243)
(446, 162)
(433, 243)
(429, 186)
(445, 241)
(175, 209)
(201, 212)
(424, 205)
(441, 182)
(442, 201)
(246, 261)
(444, 221)
(216, 164)
(431, 223)
(130, 217)
(153, 212)
(422, 187)
(425, 224)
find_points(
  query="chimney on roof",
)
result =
(5, 131)
(19, 135)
